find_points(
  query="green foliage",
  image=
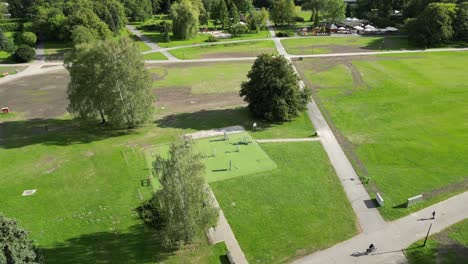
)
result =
(329, 10)
(238, 30)
(24, 53)
(139, 10)
(212, 38)
(283, 12)
(82, 34)
(234, 17)
(433, 26)
(184, 19)
(221, 13)
(16, 245)
(109, 78)
(27, 38)
(273, 91)
(166, 29)
(257, 19)
(10, 26)
(184, 202)
(6, 44)
(112, 13)
(243, 6)
(460, 24)
(21, 8)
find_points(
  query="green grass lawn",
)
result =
(449, 246)
(154, 56)
(330, 44)
(240, 149)
(300, 127)
(55, 50)
(404, 124)
(207, 78)
(244, 49)
(296, 209)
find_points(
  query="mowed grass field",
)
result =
(242, 49)
(207, 78)
(296, 209)
(335, 44)
(448, 246)
(402, 120)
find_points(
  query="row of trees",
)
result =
(439, 23)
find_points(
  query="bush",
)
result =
(27, 38)
(24, 53)
(299, 19)
(282, 34)
(12, 26)
(212, 38)
(151, 26)
(238, 30)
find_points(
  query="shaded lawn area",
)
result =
(10, 70)
(244, 49)
(203, 78)
(141, 45)
(448, 246)
(294, 210)
(331, 44)
(300, 127)
(55, 50)
(403, 126)
(154, 56)
(89, 182)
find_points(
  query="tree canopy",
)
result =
(185, 19)
(184, 203)
(283, 12)
(109, 78)
(272, 89)
(15, 244)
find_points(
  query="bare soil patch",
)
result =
(180, 99)
(39, 96)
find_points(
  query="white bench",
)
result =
(414, 200)
(379, 199)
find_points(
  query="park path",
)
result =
(279, 140)
(394, 237)
(154, 47)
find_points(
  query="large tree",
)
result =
(21, 8)
(329, 10)
(460, 24)
(272, 89)
(257, 19)
(283, 12)
(108, 78)
(15, 245)
(433, 26)
(184, 203)
(184, 19)
(139, 10)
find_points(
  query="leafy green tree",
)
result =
(27, 38)
(166, 29)
(460, 24)
(21, 8)
(234, 17)
(84, 16)
(184, 202)
(139, 10)
(334, 10)
(112, 12)
(243, 6)
(81, 35)
(15, 244)
(283, 12)
(184, 20)
(257, 19)
(433, 26)
(24, 53)
(315, 6)
(272, 89)
(238, 30)
(222, 14)
(109, 78)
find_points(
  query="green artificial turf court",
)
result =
(240, 149)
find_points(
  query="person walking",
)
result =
(433, 215)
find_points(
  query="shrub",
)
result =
(212, 38)
(299, 19)
(27, 38)
(282, 34)
(238, 30)
(24, 53)
(151, 26)
(12, 26)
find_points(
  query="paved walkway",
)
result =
(394, 236)
(288, 140)
(154, 47)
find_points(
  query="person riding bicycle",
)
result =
(370, 249)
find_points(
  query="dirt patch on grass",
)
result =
(454, 187)
(39, 96)
(180, 99)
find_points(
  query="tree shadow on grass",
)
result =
(16, 134)
(213, 119)
(140, 245)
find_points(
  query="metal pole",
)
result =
(427, 235)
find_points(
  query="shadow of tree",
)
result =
(212, 119)
(140, 245)
(16, 134)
